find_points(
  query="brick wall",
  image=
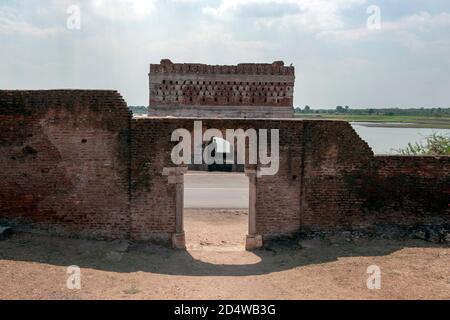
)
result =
(248, 90)
(74, 162)
(64, 161)
(333, 153)
(347, 188)
(153, 202)
(407, 190)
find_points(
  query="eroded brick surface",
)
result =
(64, 161)
(75, 163)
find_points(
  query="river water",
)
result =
(385, 140)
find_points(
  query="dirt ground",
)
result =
(228, 229)
(216, 266)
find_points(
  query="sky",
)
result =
(360, 53)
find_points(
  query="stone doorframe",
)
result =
(253, 240)
(176, 176)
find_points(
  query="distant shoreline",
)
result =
(381, 121)
(385, 121)
(376, 124)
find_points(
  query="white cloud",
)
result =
(12, 23)
(407, 30)
(204, 45)
(118, 10)
(186, 1)
(311, 14)
(124, 9)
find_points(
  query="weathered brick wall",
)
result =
(64, 161)
(328, 179)
(278, 196)
(248, 90)
(153, 199)
(406, 191)
(153, 202)
(346, 188)
(333, 154)
(75, 163)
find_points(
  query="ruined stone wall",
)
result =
(64, 161)
(242, 91)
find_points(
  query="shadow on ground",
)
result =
(123, 258)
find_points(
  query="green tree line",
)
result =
(432, 112)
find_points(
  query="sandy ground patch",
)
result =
(216, 267)
(218, 229)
